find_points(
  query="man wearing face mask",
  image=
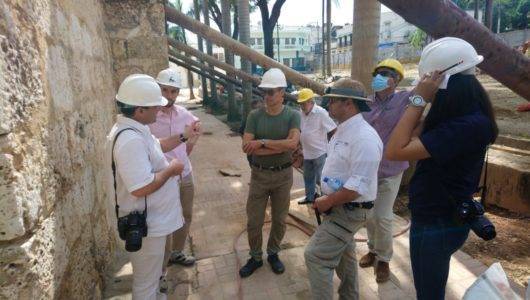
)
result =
(386, 110)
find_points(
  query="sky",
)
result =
(303, 12)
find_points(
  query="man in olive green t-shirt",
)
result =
(271, 135)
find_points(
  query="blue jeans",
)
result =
(432, 242)
(312, 173)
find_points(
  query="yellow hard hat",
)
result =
(392, 64)
(305, 95)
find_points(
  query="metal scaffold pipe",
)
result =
(212, 60)
(240, 49)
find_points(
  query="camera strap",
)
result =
(117, 207)
(483, 188)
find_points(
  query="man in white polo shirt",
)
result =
(316, 128)
(349, 185)
(145, 181)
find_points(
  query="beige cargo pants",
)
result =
(265, 184)
(332, 248)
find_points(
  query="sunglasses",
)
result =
(387, 73)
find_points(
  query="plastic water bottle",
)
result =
(333, 183)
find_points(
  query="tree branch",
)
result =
(276, 9)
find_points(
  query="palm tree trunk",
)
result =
(229, 58)
(197, 14)
(366, 18)
(190, 85)
(444, 18)
(328, 36)
(323, 39)
(244, 38)
(488, 11)
(190, 75)
(475, 13)
(209, 50)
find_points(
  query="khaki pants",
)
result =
(379, 223)
(332, 247)
(265, 184)
(177, 240)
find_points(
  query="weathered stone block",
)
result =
(509, 179)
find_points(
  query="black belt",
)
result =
(273, 168)
(354, 205)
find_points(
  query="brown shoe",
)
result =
(367, 260)
(382, 272)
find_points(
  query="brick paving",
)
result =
(219, 218)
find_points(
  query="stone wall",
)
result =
(59, 69)
(137, 36)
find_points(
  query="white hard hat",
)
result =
(448, 52)
(140, 90)
(169, 77)
(273, 78)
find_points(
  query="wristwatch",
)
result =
(417, 100)
(262, 143)
(182, 138)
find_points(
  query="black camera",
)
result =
(132, 228)
(471, 212)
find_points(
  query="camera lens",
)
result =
(133, 241)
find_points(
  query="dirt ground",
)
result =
(511, 247)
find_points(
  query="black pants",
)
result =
(432, 243)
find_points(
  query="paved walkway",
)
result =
(218, 228)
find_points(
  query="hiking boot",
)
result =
(276, 264)
(182, 259)
(367, 260)
(382, 272)
(162, 285)
(251, 266)
(304, 201)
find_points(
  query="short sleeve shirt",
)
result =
(314, 129)
(264, 126)
(452, 173)
(383, 117)
(354, 153)
(174, 122)
(138, 156)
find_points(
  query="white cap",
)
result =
(446, 52)
(273, 78)
(169, 77)
(140, 90)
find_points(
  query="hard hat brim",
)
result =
(172, 84)
(270, 86)
(347, 97)
(162, 101)
(304, 99)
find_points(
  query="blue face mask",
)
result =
(379, 83)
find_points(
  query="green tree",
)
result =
(418, 39)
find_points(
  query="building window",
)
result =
(293, 41)
(351, 39)
(260, 41)
(286, 62)
(287, 41)
(252, 41)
